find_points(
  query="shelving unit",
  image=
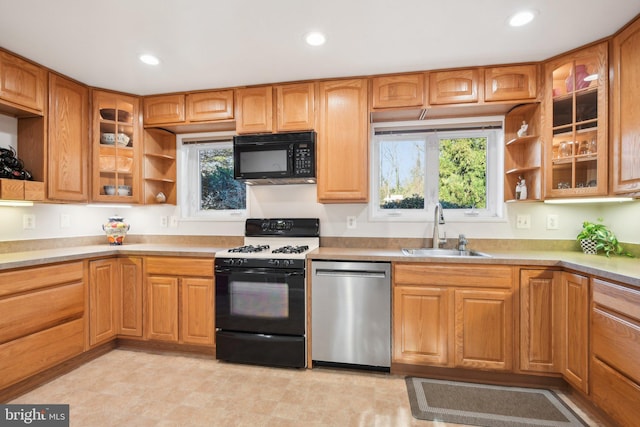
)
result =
(523, 154)
(159, 166)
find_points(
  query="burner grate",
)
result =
(249, 249)
(291, 249)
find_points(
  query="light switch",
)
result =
(523, 221)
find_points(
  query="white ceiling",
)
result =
(206, 44)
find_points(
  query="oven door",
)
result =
(262, 301)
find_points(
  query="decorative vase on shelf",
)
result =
(581, 83)
(116, 229)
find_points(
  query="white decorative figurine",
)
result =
(523, 129)
(521, 189)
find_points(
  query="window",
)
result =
(415, 165)
(207, 188)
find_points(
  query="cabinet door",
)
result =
(162, 308)
(540, 320)
(209, 106)
(117, 148)
(255, 110)
(103, 297)
(343, 148)
(130, 292)
(510, 83)
(68, 140)
(420, 325)
(625, 111)
(483, 329)
(163, 109)
(197, 311)
(22, 83)
(295, 107)
(575, 290)
(454, 87)
(576, 124)
(406, 90)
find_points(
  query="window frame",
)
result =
(189, 180)
(450, 128)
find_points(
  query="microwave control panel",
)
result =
(303, 160)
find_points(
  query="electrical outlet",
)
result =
(523, 221)
(164, 221)
(28, 221)
(173, 221)
(552, 222)
(65, 221)
(351, 222)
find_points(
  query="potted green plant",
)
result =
(597, 236)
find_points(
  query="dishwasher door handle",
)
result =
(351, 273)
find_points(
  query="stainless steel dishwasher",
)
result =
(351, 313)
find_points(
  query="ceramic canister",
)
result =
(116, 229)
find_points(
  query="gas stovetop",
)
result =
(289, 238)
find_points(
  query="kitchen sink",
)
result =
(434, 252)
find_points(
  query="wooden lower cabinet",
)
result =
(421, 325)
(130, 296)
(575, 309)
(453, 316)
(615, 350)
(483, 329)
(180, 307)
(42, 319)
(162, 308)
(103, 301)
(540, 320)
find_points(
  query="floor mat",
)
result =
(488, 405)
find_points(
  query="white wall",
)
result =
(300, 201)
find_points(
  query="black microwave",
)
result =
(278, 158)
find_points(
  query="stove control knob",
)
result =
(275, 262)
(286, 262)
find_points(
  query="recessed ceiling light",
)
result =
(522, 18)
(149, 59)
(315, 39)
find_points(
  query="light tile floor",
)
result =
(134, 388)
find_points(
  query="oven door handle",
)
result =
(258, 271)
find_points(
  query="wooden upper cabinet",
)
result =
(163, 109)
(209, 106)
(22, 83)
(295, 107)
(254, 113)
(454, 87)
(406, 90)
(518, 82)
(343, 142)
(68, 120)
(575, 129)
(625, 111)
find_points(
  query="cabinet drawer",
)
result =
(623, 300)
(485, 276)
(617, 342)
(29, 355)
(40, 277)
(614, 393)
(202, 267)
(28, 313)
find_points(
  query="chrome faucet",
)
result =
(462, 243)
(438, 218)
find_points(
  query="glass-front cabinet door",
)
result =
(576, 124)
(116, 148)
